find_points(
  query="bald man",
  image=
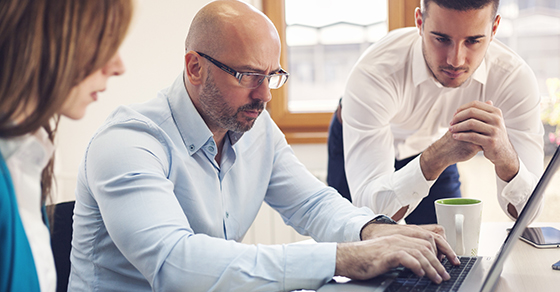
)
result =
(168, 188)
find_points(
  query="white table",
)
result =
(527, 268)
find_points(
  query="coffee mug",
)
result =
(461, 219)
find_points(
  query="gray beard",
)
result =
(212, 102)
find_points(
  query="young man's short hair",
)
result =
(461, 5)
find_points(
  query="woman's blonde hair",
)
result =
(46, 48)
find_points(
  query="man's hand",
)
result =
(411, 246)
(372, 231)
(482, 124)
(445, 152)
(426, 232)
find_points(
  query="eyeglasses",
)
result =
(252, 80)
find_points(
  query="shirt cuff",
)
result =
(414, 186)
(519, 188)
(355, 225)
(309, 265)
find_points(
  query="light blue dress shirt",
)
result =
(154, 211)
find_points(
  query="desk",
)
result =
(527, 268)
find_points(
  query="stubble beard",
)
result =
(220, 113)
(439, 74)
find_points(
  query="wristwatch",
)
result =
(379, 219)
(382, 219)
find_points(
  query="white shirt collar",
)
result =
(37, 146)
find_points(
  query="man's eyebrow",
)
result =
(474, 37)
(246, 69)
(440, 34)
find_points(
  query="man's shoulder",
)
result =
(392, 52)
(502, 58)
(145, 117)
(396, 41)
(153, 111)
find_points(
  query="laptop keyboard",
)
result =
(408, 281)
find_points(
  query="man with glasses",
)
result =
(168, 188)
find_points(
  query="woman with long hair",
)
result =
(55, 56)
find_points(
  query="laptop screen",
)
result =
(521, 223)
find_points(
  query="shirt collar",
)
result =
(37, 147)
(193, 129)
(421, 72)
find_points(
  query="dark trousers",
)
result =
(446, 186)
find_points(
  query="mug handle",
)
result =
(459, 243)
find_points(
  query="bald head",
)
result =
(225, 25)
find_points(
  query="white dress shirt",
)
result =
(393, 108)
(26, 156)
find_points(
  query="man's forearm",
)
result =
(430, 164)
(508, 170)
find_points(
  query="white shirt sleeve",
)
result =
(519, 101)
(369, 148)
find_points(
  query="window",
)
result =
(323, 46)
(304, 120)
(532, 30)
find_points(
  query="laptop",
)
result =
(474, 274)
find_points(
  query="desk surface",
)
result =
(527, 268)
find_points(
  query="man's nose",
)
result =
(456, 55)
(262, 92)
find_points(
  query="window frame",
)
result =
(313, 127)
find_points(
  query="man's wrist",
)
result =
(509, 170)
(379, 219)
(432, 165)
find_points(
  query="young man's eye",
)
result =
(472, 42)
(442, 40)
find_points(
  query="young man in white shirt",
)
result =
(422, 99)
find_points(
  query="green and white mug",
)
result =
(461, 218)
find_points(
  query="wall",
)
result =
(153, 55)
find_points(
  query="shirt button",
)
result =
(227, 215)
(211, 148)
(191, 147)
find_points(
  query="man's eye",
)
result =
(472, 42)
(442, 40)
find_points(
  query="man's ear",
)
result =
(193, 68)
(418, 19)
(495, 25)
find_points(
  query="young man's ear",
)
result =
(495, 25)
(193, 68)
(418, 19)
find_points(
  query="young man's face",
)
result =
(454, 42)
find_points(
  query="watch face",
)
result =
(384, 220)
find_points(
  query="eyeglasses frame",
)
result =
(239, 75)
